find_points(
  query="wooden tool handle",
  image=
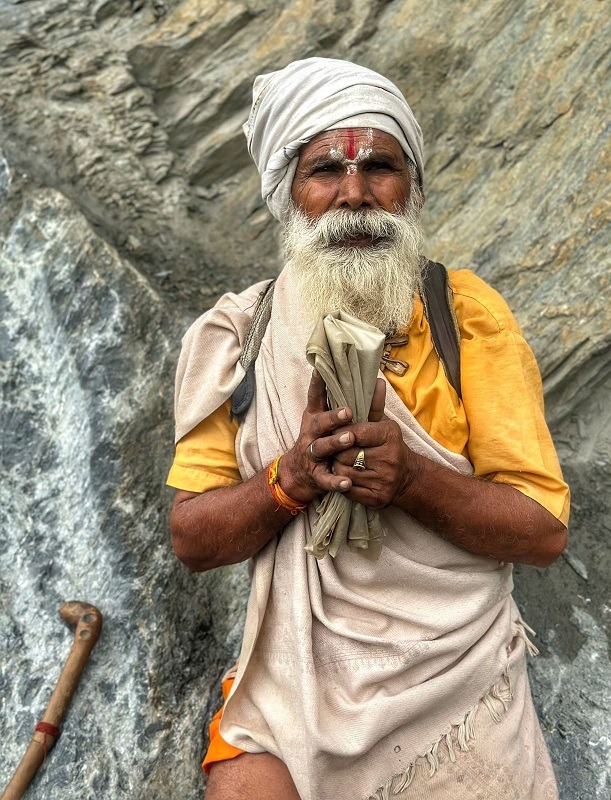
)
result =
(88, 621)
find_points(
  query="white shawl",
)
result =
(350, 669)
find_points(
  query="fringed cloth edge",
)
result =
(459, 737)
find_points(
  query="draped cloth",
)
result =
(293, 105)
(347, 353)
(354, 671)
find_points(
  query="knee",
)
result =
(258, 776)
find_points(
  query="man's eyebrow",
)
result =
(329, 159)
(382, 155)
(324, 161)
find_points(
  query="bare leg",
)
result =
(255, 776)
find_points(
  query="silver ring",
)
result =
(359, 461)
(313, 454)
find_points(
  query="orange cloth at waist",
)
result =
(218, 749)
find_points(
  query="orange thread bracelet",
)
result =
(281, 497)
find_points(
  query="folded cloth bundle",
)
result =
(346, 352)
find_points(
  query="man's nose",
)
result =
(353, 190)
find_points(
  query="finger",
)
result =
(317, 393)
(325, 422)
(348, 456)
(364, 496)
(328, 482)
(366, 434)
(329, 446)
(359, 477)
(376, 411)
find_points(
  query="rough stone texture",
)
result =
(128, 203)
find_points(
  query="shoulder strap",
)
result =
(439, 309)
(245, 391)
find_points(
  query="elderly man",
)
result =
(359, 677)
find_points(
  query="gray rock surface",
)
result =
(128, 204)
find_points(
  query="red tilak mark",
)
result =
(351, 152)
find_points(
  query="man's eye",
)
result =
(325, 168)
(380, 165)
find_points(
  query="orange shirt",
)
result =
(498, 425)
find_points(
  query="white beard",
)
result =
(376, 283)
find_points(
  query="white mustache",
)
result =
(338, 226)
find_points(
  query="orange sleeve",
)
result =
(205, 458)
(509, 441)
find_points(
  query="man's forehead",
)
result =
(349, 143)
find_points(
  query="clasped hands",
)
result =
(323, 457)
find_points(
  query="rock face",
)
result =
(128, 204)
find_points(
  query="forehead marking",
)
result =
(346, 153)
(351, 149)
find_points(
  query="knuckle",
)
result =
(377, 504)
(381, 496)
(394, 428)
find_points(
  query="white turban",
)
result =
(293, 105)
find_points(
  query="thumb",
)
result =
(376, 411)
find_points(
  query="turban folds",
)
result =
(295, 104)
